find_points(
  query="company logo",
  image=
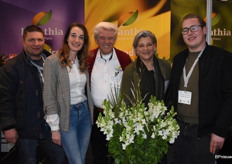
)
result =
(127, 18)
(131, 31)
(220, 32)
(215, 18)
(42, 18)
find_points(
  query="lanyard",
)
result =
(40, 69)
(109, 58)
(186, 78)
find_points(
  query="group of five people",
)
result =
(54, 100)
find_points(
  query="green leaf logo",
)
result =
(127, 18)
(216, 18)
(42, 18)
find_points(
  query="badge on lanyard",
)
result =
(184, 97)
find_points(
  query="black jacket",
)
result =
(215, 89)
(21, 102)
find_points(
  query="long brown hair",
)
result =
(82, 55)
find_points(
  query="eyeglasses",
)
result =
(102, 38)
(193, 28)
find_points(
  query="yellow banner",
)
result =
(131, 17)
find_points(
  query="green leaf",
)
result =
(45, 19)
(131, 19)
(216, 19)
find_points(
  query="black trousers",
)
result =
(99, 144)
(189, 149)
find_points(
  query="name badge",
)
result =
(184, 97)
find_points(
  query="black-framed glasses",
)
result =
(193, 28)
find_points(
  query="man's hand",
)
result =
(11, 135)
(56, 138)
(216, 143)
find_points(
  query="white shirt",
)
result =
(105, 78)
(77, 82)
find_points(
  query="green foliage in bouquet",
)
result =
(138, 134)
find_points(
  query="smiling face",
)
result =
(106, 40)
(145, 49)
(34, 44)
(75, 39)
(194, 40)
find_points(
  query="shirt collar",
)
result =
(101, 57)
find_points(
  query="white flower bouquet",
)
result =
(138, 134)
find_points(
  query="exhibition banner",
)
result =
(52, 16)
(131, 17)
(221, 22)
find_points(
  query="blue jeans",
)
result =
(27, 151)
(76, 141)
